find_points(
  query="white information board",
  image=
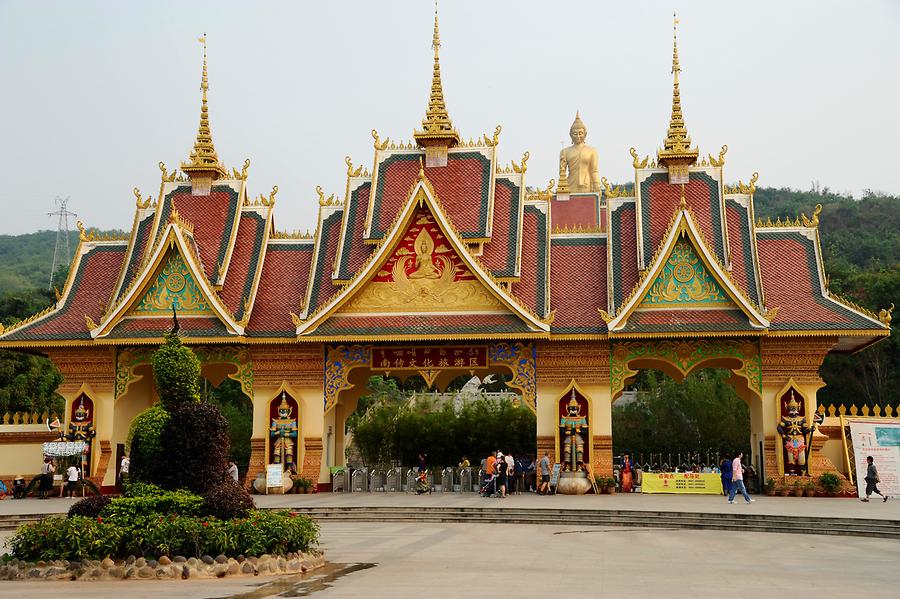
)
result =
(274, 477)
(879, 438)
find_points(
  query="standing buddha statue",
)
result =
(579, 167)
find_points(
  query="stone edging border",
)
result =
(164, 568)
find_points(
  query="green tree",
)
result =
(28, 383)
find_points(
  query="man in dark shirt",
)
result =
(872, 480)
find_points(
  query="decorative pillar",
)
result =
(95, 368)
(587, 363)
(784, 359)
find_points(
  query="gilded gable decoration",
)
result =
(174, 287)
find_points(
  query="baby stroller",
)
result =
(489, 488)
(422, 483)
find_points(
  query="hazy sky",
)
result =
(94, 94)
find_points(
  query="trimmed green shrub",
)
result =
(196, 449)
(144, 443)
(89, 507)
(227, 500)
(176, 371)
(181, 502)
(150, 536)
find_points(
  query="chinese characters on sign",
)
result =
(418, 357)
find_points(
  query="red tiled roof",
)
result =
(532, 283)
(141, 239)
(500, 252)
(739, 232)
(462, 187)
(198, 326)
(578, 284)
(323, 286)
(92, 285)
(787, 262)
(660, 200)
(354, 252)
(212, 217)
(244, 262)
(680, 321)
(282, 288)
(583, 210)
(623, 241)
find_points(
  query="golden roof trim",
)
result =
(800, 221)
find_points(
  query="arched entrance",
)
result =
(679, 358)
(348, 368)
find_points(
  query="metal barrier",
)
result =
(394, 482)
(360, 480)
(465, 480)
(411, 476)
(340, 481)
(447, 480)
(376, 480)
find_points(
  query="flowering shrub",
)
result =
(154, 535)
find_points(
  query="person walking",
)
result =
(502, 474)
(725, 471)
(233, 470)
(544, 488)
(510, 473)
(737, 480)
(872, 481)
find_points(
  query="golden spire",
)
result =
(676, 153)
(437, 128)
(204, 161)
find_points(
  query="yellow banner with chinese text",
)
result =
(681, 482)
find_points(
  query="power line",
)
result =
(62, 235)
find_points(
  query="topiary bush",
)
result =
(144, 444)
(176, 371)
(227, 500)
(196, 449)
(89, 507)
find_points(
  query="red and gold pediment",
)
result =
(422, 280)
(424, 274)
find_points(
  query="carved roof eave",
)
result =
(222, 269)
(421, 192)
(683, 223)
(172, 237)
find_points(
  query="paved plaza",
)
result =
(489, 560)
(836, 507)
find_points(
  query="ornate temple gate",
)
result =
(347, 367)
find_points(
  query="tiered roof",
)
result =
(441, 242)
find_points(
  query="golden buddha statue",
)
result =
(425, 268)
(578, 164)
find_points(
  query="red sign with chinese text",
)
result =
(419, 357)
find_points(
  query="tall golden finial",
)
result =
(437, 128)
(676, 153)
(204, 161)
